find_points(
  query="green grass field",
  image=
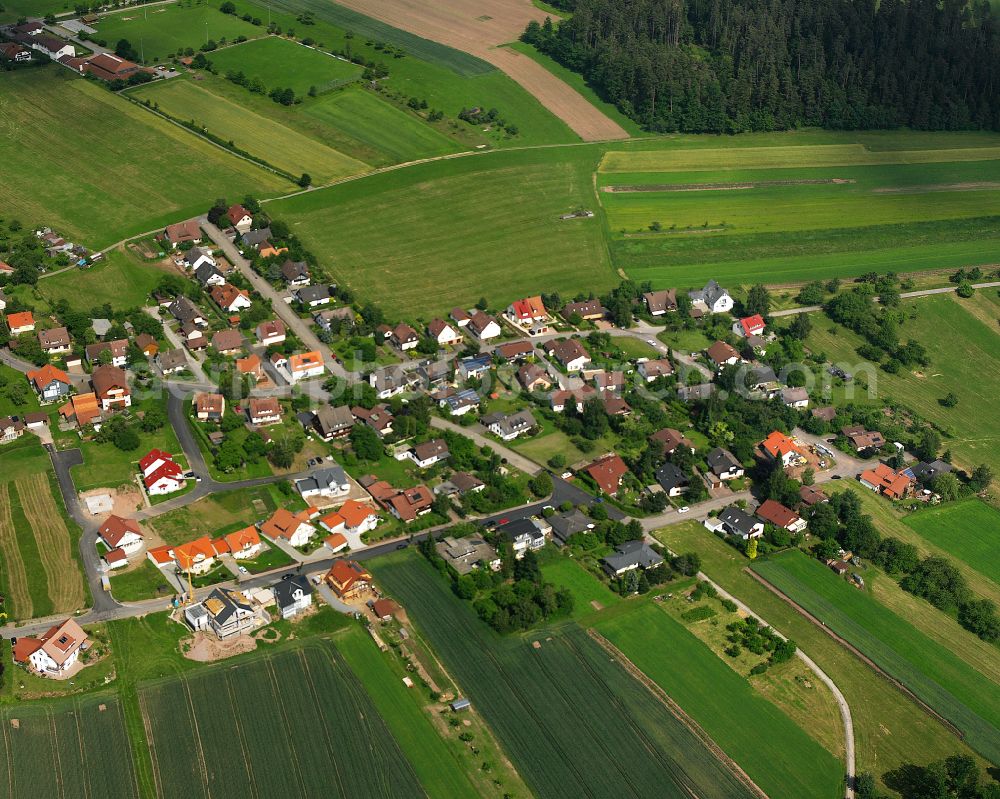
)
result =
(163, 174)
(570, 718)
(165, 29)
(281, 63)
(264, 138)
(15, 9)
(968, 530)
(64, 748)
(373, 122)
(934, 673)
(302, 708)
(122, 279)
(586, 589)
(779, 756)
(143, 582)
(974, 377)
(416, 229)
(890, 730)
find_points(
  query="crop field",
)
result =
(958, 692)
(122, 279)
(492, 219)
(168, 28)
(45, 520)
(66, 749)
(283, 63)
(446, 78)
(974, 377)
(376, 124)
(51, 119)
(968, 530)
(301, 708)
(270, 141)
(820, 208)
(15, 573)
(888, 727)
(780, 757)
(568, 737)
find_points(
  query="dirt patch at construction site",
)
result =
(125, 500)
(205, 647)
(479, 27)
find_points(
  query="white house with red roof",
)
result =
(119, 533)
(749, 326)
(160, 474)
(54, 652)
(240, 218)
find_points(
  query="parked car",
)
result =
(683, 509)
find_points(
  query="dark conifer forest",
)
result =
(742, 65)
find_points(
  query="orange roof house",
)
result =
(83, 409)
(117, 532)
(53, 652)
(22, 322)
(885, 481)
(348, 578)
(195, 556)
(778, 446)
(608, 472)
(336, 542)
(292, 527)
(243, 543)
(353, 516)
(251, 365)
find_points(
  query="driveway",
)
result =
(478, 434)
(177, 344)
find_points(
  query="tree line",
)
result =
(706, 66)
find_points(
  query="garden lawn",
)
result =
(439, 770)
(779, 756)
(11, 377)
(165, 29)
(53, 119)
(281, 63)
(890, 730)
(969, 530)
(933, 672)
(257, 134)
(229, 510)
(396, 134)
(972, 433)
(589, 593)
(447, 233)
(121, 279)
(143, 582)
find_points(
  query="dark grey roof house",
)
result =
(631, 555)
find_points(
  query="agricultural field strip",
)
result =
(781, 157)
(301, 68)
(64, 579)
(928, 669)
(967, 530)
(495, 671)
(17, 580)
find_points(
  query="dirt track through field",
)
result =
(479, 27)
(65, 583)
(756, 184)
(21, 605)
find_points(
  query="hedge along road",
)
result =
(480, 30)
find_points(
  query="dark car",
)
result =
(402, 545)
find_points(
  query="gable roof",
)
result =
(284, 590)
(777, 514)
(46, 375)
(608, 473)
(670, 476)
(722, 460)
(738, 520)
(20, 319)
(236, 213)
(107, 378)
(229, 339)
(56, 337)
(720, 352)
(115, 528)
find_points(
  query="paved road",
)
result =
(906, 295)
(301, 327)
(478, 434)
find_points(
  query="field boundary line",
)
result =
(858, 654)
(17, 578)
(241, 734)
(62, 575)
(55, 750)
(77, 710)
(133, 768)
(677, 712)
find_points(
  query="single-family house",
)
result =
(82, 409)
(408, 504)
(243, 544)
(263, 411)
(111, 387)
(183, 232)
(885, 481)
(52, 47)
(670, 440)
(608, 382)
(11, 429)
(795, 397)
(569, 352)
(291, 527)
(195, 557)
(724, 465)
(209, 407)
(773, 512)
(458, 403)
(256, 239)
(653, 369)
(208, 275)
(270, 332)
(119, 533)
(186, 312)
(608, 472)
(11, 51)
(735, 521)
(379, 418)
(172, 361)
(630, 556)
(160, 473)
(55, 651)
(672, 479)
(483, 326)
(230, 299)
(313, 296)
(924, 472)
(508, 426)
(428, 453)
(534, 378)
(240, 218)
(251, 366)
(722, 354)
(195, 259)
(54, 341)
(118, 350)
(660, 302)
(147, 344)
(114, 559)
(577, 397)
(863, 441)
(588, 310)
(778, 446)
(292, 596)
(700, 392)
(228, 341)
(20, 322)
(523, 535)
(230, 613)
(810, 495)
(515, 351)
(349, 579)
(332, 422)
(711, 299)
(404, 337)
(295, 274)
(460, 317)
(461, 483)
(749, 326)
(303, 365)
(443, 333)
(328, 482)
(524, 312)
(568, 523)
(389, 381)
(465, 555)
(475, 366)
(352, 517)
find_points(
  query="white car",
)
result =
(650, 342)
(683, 509)
(243, 570)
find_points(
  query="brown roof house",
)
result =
(608, 472)
(111, 387)
(659, 302)
(228, 342)
(54, 341)
(209, 407)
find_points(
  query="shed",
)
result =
(460, 704)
